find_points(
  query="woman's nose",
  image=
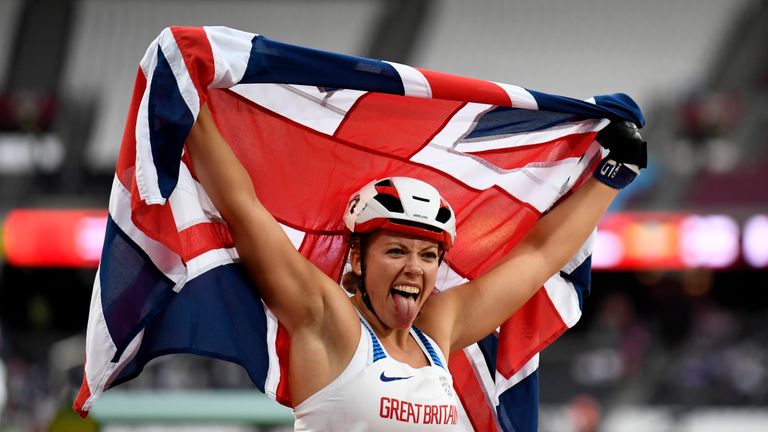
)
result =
(413, 266)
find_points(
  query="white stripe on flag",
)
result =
(503, 384)
(149, 59)
(564, 298)
(447, 278)
(99, 347)
(558, 176)
(208, 260)
(231, 50)
(537, 185)
(130, 352)
(479, 365)
(179, 68)
(414, 82)
(295, 236)
(110, 370)
(530, 138)
(519, 96)
(166, 260)
(562, 292)
(594, 151)
(460, 124)
(582, 254)
(189, 202)
(273, 371)
(146, 174)
(306, 105)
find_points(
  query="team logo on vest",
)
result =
(385, 378)
(447, 386)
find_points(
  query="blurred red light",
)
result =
(54, 238)
(624, 241)
(638, 241)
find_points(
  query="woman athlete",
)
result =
(377, 360)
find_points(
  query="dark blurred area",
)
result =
(685, 338)
(654, 349)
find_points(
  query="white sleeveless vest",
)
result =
(378, 393)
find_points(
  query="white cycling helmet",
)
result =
(404, 205)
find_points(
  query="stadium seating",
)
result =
(9, 12)
(554, 45)
(110, 38)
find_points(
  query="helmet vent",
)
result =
(443, 215)
(390, 203)
(419, 198)
(417, 225)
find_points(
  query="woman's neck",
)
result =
(397, 338)
(398, 343)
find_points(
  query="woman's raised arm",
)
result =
(294, 289)
(475, 309)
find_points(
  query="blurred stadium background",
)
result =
(673, 337)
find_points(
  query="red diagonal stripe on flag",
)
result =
(127, 159)
(203, 237)
(198, 56)
(528, 331)
(472, 396)
(509, 158)
(454, 87)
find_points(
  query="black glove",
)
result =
(627, 154)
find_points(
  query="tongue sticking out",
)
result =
(405, 308)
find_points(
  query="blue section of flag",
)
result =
(489, 346)
(617, 106)
(619, 103)
(581, 278)
(518, 408)
(216, 315)
(170, 121)
(277, 62)
(133, 290)
(502, 121)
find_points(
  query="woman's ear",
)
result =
(354, 260)
(354, 255)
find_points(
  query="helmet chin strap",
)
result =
(362, 288)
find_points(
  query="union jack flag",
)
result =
(311, 127)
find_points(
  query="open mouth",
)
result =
(406, 291)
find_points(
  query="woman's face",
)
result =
(400, 273)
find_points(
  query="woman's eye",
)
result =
(430, 255)
(395, 251)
